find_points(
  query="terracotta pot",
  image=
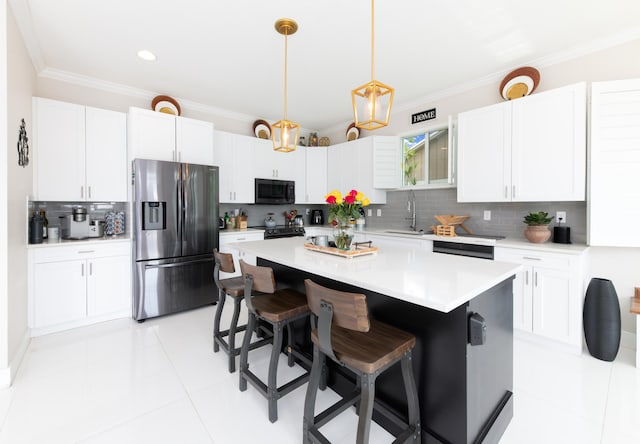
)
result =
(537, 233)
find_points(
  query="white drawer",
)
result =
(535, 258)
(81, 251)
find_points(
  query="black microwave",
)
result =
(274, 192)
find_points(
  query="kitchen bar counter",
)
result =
(437, 281)
(465, 391)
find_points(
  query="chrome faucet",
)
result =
(411, 208)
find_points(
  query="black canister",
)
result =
(35, 229)
(561, 235)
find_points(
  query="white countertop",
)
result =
(506, 243)
(438, 281)
(91, 240)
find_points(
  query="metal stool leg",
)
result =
(291, 360)
(272, 383)
(216, 321)
(412, 396)
(231, 338)
(244, 353)
(315, 380)
(368, 388)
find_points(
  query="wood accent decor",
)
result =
(342, 253)
(225, 260)
(635, 302)
(448, 224)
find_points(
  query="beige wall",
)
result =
(4, 323)
(20, 88)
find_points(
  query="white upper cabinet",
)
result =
(234, 155)
(194, 141)
(525, 150)
(614, 182)
(387, 158)
(152, 135)
(161, 136)
(271, 164)
(350, 165)
(315, 175)
(80, 153)
(106, 155)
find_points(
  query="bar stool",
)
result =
(234, 288)
(342, 331)
(278, 307)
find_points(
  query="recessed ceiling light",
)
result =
(146, 55)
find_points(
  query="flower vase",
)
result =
(343, 235)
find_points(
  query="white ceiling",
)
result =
(227, 54)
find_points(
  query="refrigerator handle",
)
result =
(177, 264)
(179, 219)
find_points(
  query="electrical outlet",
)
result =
(561, 217)
(379, 212)
(487, 214)
(369, 212)
(307, 212)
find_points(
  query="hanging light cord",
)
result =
(286, 33)
(372, 34)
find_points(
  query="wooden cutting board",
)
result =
(342, 253)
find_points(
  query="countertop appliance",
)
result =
(317, 217)
(275, 192)
(175, 219)
(73, 228)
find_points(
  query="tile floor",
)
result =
(159, 382)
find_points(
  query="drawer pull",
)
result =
(86, 251)
(529, 258)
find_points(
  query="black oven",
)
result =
(275, 192)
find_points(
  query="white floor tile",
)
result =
(160, 382)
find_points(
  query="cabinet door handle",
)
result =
(82, 270)
(506, 192)
(513, 192)
(526, 277)
(81, 192)
(530, 258)
(535, 278)
(89, 188)
(234, 195)
(90, 268)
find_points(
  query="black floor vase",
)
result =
(601, 318)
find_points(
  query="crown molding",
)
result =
(119, 88)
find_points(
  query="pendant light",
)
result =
(372, 101)
(284, 132)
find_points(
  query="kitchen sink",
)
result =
(411, 232)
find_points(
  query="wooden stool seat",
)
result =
(343, 332)
(280, 308)
(370, 351)
(233, 287)
(276, 308)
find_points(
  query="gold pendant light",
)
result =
(284, 133)
(372, 101)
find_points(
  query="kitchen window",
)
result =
(428, 158)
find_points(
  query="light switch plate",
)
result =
(379, 212)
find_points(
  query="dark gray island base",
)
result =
(465, 391)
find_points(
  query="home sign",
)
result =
(423, 116)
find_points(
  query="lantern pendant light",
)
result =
(284, 133)
(372, 101)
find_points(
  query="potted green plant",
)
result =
(537, 230)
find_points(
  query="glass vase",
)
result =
(343, 235)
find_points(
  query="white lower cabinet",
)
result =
(78, 285)
(547, 295)
(233, 237)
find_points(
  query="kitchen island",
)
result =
(465, 391)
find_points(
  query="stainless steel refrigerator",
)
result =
(175, 214)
